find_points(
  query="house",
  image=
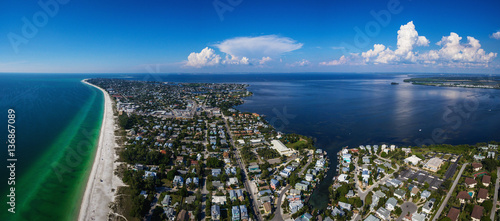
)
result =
(239, 194)
(149, 174)
(350, 194)
(477, 166)
(294, 206)
(166, 200)
(417, 217)
(264, 199)
(236, 213)
(366, 159)
(425, 194)
(243, 213)
(479, 157)
(284, 174)
(372, 218)
(463, 196)
(391, 204)
(453, 214)
(336, 211)
(433, 164)
(232, 195)
(400, 193)
(196, 181)
(427, 208)
(365, 175)
(215, 212)
(477, 213)
(395, 182)
(343, 178)
(294, 192)
(482, 195)
(305, 217)
(301, 186)
(216, 172)
(274, 184)
(267, 208)
(144, 193)
(345, 206)
(383, 213)
(413, 160)
(492, 146)
(169, 212)
(178, 181)
(486, 180)
(254, 169)
(182, 215)
(470, 183)
(309, 177)
(414, 191)
(491, 154)
(346, 158)
(218, 185)
(219, 200)
(232, 181)
(190, 199)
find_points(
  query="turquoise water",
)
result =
(57, 126)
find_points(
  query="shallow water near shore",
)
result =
(57, 126)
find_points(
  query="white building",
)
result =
(281, 148)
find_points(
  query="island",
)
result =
(488, 82)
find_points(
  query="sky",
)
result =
(246, 36)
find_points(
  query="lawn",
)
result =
(297, 145)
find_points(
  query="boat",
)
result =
(394, 83)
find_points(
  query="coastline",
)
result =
(101, 181)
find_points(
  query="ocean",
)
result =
(57, 126)
(58, 118)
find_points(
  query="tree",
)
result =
(398, 211)
(213, 162)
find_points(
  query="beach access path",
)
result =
(102, 183)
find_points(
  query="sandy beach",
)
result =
(98, 192)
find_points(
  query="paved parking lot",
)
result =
(421, 177)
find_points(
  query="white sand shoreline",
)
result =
(98, 192)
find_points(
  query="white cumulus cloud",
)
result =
(496, 35)
(258, 47)
(301, 63)
(408, 39)
(452, 51)
(341, 60)
(207, 57)
(265, 59)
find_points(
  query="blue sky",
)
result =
(219, 36)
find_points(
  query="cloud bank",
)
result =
(244, 51)
(452, 52)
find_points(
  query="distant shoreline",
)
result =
(98, 192)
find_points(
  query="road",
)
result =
(443, 203)
(278, 215)
(495, 197)
(247, 183)
(407, 207)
